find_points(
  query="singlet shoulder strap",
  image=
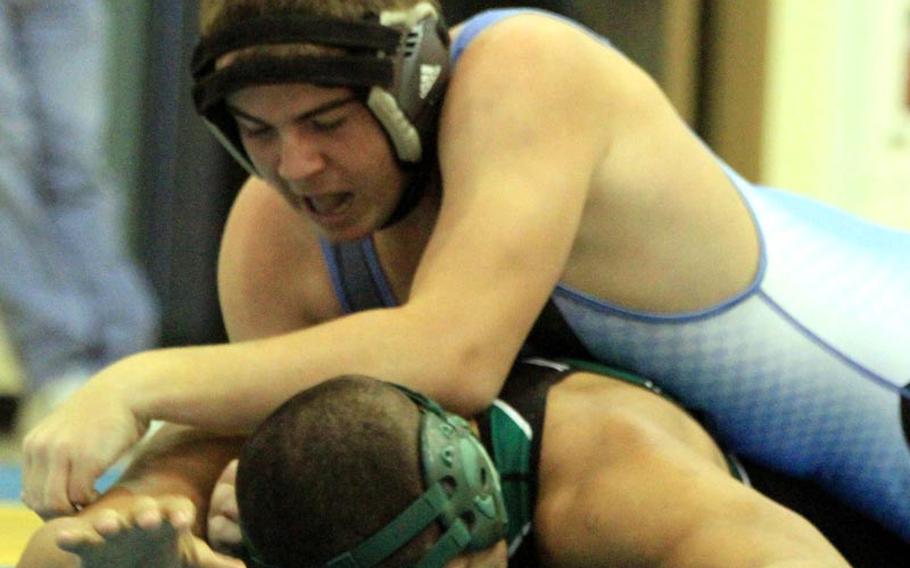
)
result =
(356, 275)
(479, 22)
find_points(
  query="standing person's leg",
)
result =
(67, 47)
(48, 317)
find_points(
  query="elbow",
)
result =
(461, 362)
(473, 375)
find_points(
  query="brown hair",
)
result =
(216, 15)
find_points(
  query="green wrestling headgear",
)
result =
(398, 60)
(463, 495)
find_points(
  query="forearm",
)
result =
(232, 387)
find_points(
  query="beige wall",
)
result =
(733, 90)
(835, 125)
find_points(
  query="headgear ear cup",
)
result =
(453, 455)
(408, 109)
(401, 132)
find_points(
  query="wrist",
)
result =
(127, 382)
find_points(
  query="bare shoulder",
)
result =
(539, 48)
(617, 418)
(271, 274)
(546, 86)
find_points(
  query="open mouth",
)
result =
(330, 203)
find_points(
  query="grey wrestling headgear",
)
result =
(463, 495)
(399, 60)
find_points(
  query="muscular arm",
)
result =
(628, 479)
(521, 135)
(177, 462)
(523, 129)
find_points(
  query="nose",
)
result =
(300, 157)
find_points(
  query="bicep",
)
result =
(517, 152)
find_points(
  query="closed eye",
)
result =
(254, 131)
(324, 125)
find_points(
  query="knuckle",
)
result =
(30, 502)
(216, 526)
(183, 502)
(53, 511)
(33, 443)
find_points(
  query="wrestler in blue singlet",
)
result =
(803, 370)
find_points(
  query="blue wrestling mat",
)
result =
(11, 481)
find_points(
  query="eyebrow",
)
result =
(323, 108)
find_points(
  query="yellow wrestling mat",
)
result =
(16, 526)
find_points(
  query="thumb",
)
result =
(222, 561)
(208, 558)
(229, 475)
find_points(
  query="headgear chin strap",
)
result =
(464, 496)
(399, 60)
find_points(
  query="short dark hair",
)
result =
(329, 468)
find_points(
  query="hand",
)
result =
(152, 533)
(74, 445)
(224, 518)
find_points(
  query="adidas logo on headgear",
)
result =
(428, 76)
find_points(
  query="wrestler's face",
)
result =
(324, 151)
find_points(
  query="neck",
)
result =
(401, 246)
(418, 223)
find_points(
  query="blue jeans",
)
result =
(72, 298)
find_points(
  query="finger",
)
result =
(42, 463)
(54, 499)
(208, 558)
(33, 471)
(179, 511)
(224, 533)
(80, 487)
(76, 532)
(77, 540)
(229, 475)
(28, 471)
(146, 513)
(216, 560)
(109, 522)
(224, 501)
